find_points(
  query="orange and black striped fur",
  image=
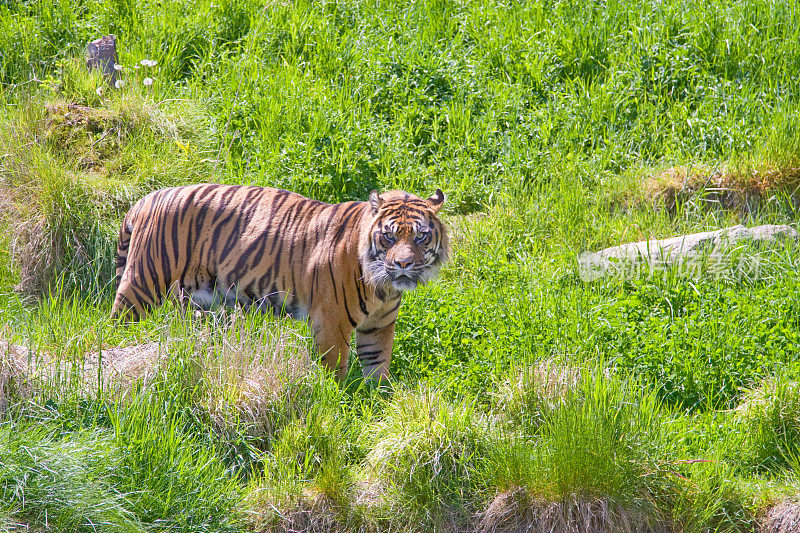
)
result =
(344, 266)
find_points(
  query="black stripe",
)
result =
(305, 218)
(286, 220)
(333, 210)
(369, 356)
(130, 306)
(292, 287)
(166, 263)
(248, 291)
(256, 248)
(347, 308)
(142, 293)
(279, 198)
(176, 248)
(313, 288)
(151, 264)
(189, 250)
(333, 282)
(346, 340)
(233, 236)
(362, 302)
(220, 226)
(344, 224)
(266, 279)
(227, 195)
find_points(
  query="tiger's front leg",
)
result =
(375, 351)
(332, 342)
(374, 340)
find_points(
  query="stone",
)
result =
(627, 260)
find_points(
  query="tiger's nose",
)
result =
(403, 263)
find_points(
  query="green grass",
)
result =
(599, 439)
(66, 483)
(523, 396)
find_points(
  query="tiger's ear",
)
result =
(436, 200)
(375, 201)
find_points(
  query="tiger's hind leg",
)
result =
(131, 303)
(135, 296)
(123, 243)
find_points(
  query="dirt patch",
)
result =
(116, 369)
(744, 191)
(13, 373)
(517, 511)
(781, 518)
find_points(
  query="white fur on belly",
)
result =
(204, 298)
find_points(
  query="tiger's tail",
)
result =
(125, 232)
(124, 242)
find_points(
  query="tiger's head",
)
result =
(404, 243)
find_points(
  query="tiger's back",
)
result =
(234, 244)
(270, 248)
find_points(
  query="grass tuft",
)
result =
(71, 168)
(256, 376)
(596, 458)
(429, 450)
(768, 418)
(530, 395)
(14, 380)
(63, 484)
(308, 481)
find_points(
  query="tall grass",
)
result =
(74, 162)
(603, 442)
(62, 483)
(552, 127)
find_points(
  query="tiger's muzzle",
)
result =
(404, 279)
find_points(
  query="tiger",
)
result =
(344, 267)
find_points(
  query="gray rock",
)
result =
(629, 259)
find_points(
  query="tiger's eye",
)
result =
(389, 236)
(421, 235)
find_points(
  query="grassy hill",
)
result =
(524, 397)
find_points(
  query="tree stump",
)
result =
(102, 53)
